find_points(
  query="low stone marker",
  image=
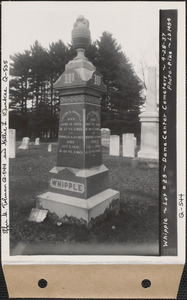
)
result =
(49, 148)
(12, 143)
(38, 215)
(128, 145)
(105, 137)
(37, 141)
(25, 143)
(115, 145)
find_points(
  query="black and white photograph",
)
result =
(92, 139)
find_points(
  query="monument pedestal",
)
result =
(149, 147)
(79, 193)
(70, 206)
(149, 135)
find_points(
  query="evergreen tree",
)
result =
(35, 71)
(20, 91)
(39, 71)
(120, 105)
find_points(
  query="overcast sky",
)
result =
(135, 25)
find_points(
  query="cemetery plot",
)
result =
(132, 219)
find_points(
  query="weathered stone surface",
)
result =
(115, 145)
(128, 145)
(12, 143)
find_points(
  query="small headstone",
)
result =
(38, 215)
(12, 143)
(49, 148)
(25, 143)
(115, 145)
(128, 145)
(105, 137)
(48, 134)
(37, 141)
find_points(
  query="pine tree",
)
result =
(120, 106)
(35, 71)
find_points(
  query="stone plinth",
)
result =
(79, 208)
(115, 145)
(149, 144)
(12, 143)
(79, 184)
(128, 145)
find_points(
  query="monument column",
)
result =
(79, 184)
(149, 146)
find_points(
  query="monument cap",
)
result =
(81, 33)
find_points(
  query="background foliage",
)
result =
(34, 105)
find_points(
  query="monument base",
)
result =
(86, 209)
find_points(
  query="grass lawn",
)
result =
(134, 218)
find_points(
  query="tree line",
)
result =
(34, 105)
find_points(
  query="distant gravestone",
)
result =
(12, 143)
(105, 137)
(48, 134)
(49, 148)
(25, 143)
(37, 141)
(128, 145)
(115, 145)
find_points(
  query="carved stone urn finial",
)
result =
(81, 36)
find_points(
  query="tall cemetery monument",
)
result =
(79, 183)
(149, 119)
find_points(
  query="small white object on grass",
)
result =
(38, 215)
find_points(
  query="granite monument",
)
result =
(79, 183)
